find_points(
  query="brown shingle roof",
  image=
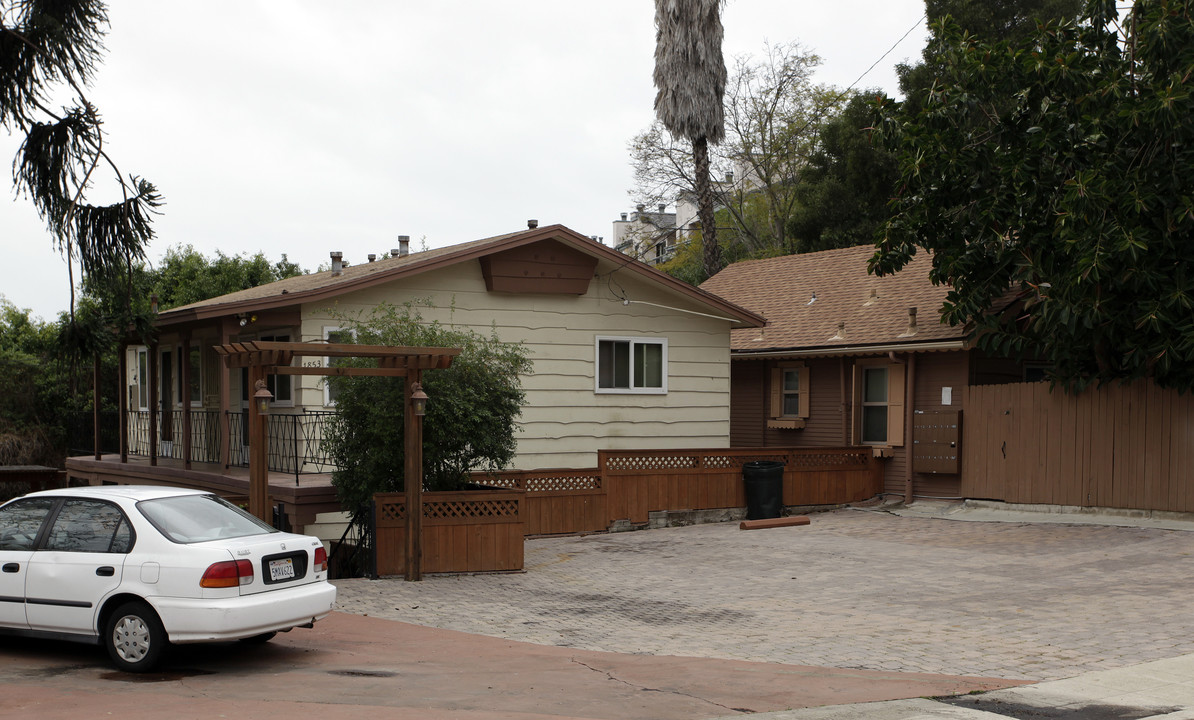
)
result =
(874, 309)
(323, 285)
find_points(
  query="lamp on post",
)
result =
(262, 397)
(418, 399)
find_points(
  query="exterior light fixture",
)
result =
(262, 398)
(418, 399)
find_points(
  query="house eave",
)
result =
(878, 348)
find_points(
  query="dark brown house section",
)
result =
(548, 267)
(833, 422)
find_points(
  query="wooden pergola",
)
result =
(274, 358)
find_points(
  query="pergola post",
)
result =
(258, 452)
(413, 482)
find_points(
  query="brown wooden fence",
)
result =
(630, 484)
(557, 501)
(467, 531)
(1123, 446)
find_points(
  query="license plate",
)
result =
(281, 569)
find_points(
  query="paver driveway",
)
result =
(855, 589)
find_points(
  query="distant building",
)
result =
(647, 236)
(653, 237)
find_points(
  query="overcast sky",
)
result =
(306, 127)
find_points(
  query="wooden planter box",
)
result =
(463, 531)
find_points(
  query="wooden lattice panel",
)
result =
(389, 512)
(830, 459)
(559, 483)
(467, 509)
(652, 462)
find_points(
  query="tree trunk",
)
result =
(711, 250)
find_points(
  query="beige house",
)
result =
(624, 356)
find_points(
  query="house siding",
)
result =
(564, 421)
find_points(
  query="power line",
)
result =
(893, 47)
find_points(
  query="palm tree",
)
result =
(690, 76)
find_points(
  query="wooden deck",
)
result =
(302, 498)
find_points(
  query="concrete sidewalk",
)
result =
(1161, 689)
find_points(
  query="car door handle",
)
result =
(105, 571)
(12, 567)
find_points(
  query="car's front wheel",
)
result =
(135, 638)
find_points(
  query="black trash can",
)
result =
(764, 481)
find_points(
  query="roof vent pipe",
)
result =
(372, 257)
(662, 208)
(911, 319)
(730, 177)
(403, 246)
(532, 224)
(337, 263)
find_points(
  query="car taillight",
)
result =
(321, 559)
(229, 573)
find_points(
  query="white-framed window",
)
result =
(789, 395)
(334, 335)
(879, 394)
(631, 365)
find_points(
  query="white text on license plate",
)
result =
(281, 569)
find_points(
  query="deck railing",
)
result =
(294, 440)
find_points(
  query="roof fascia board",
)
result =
(550, 232)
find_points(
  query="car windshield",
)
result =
(200, 518)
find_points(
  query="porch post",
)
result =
(413, 482)
(184, 393)
(96, 399)
(226, 331)
(153, 403)
(122, 401)
(258, 453)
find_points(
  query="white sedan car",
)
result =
(136, 568)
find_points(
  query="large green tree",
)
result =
(988, 20)
(1053, 180)
(49, 48)
(471, 417)
(690, 76)
(843, 191)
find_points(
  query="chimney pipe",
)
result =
(337, 262)
(912, 319)
(372, 257)
(729, 177)
(532, 224)
(624, 217)
(662, 208)
(403, 245)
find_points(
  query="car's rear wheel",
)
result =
(135, 638)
